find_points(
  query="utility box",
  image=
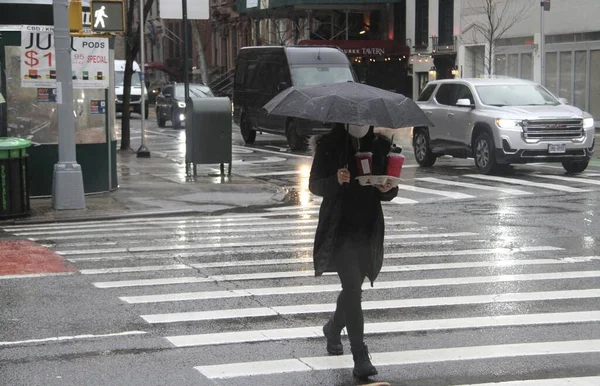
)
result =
(14, 178)
(208, 127)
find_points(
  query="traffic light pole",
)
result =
(143, 151)
(67, 181)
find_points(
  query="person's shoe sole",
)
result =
(333, 349)
(364, 377)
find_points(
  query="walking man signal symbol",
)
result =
(99, 16)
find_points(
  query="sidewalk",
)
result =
(159, 186)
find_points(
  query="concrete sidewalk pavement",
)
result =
(159, 186)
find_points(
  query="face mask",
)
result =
(358, 131)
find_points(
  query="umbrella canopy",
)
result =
(349, 102)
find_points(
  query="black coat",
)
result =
(331, 154)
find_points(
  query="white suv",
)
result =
(499, 122)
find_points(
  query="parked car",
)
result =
(170, 102)
(500, 122)
(263, 72)
(135, 98)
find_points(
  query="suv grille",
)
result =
(553, 129)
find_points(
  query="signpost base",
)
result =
(143, 152)
(67, 186)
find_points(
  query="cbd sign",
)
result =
(107, 15)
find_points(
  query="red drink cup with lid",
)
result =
(394, 164)
(364, 163)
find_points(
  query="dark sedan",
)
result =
(170, 103)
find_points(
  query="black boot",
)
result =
(334, 338)
(363, 368)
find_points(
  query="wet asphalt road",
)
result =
(484, 281)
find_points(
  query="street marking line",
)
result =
(267, 174)
(399, 358)
(252, 336)
(382, 285)
(233, 252)
(242, 244)
(453, 195)
(516, 181)
(569, 179)
(272, 152)
(473, 186)
(306, 260)
(579, 381)
(74, 337)
(403, 201)
(304, 309)
(35, 275)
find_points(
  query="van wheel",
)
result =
(295, 141)
(248, 133)
(423, 154)
(575, 166)
(485, 159)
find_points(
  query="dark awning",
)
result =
(363, 48)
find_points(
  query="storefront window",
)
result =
(580, 79)
(526, 67)
(551, 69)
(566, 71)
(500, 65)
(32, 111)
(513, 65)
(595, 84)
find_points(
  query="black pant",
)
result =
(351, 272)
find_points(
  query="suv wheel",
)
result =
(485, 159)
(175, 121)
(295, 141)
(423, 153)
(248, 133)
(159, 118)
(575, 166)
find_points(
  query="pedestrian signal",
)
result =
(107, 15)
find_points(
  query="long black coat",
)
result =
(330, 154)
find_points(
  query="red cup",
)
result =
(394, 164)
(364, 163)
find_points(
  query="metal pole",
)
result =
(143, 151)
(347, 26)
(542, 45)
(186, 84)
(67, 181)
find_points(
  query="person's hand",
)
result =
(343, 176)
(384, 188)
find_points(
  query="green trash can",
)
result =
(14, 183)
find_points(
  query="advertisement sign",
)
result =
(97, 106)
(89, 58)
(46, 95)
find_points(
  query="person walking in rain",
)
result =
(349, 236)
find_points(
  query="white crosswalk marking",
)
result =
(228, 287)
(473, 186)
(516, 181)
(570, 179)
(454, 195)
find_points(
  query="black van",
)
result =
(262, 72)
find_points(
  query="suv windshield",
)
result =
(516, 95)
(135, 79)
(195, 91)
(324, 74)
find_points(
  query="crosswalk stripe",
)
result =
(233, 252)
(473, 186)
(156, 248)
(304, 309)
(274, 262)
(579, 381)
(569, 179)
(291, 290)
(515, 181)
(235, 370)
(454, 195)
(300, 260)
(403, 201)
(251, 336)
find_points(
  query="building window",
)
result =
(551, 72)
(580, 79)
(566, 71)
(526, 67)
(500, 65)
(513, 65)
(446, 23)
(422, 24)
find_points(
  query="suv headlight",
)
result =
(508, 123)
(181, 105)
(588, 123)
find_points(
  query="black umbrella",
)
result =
(349, 102)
